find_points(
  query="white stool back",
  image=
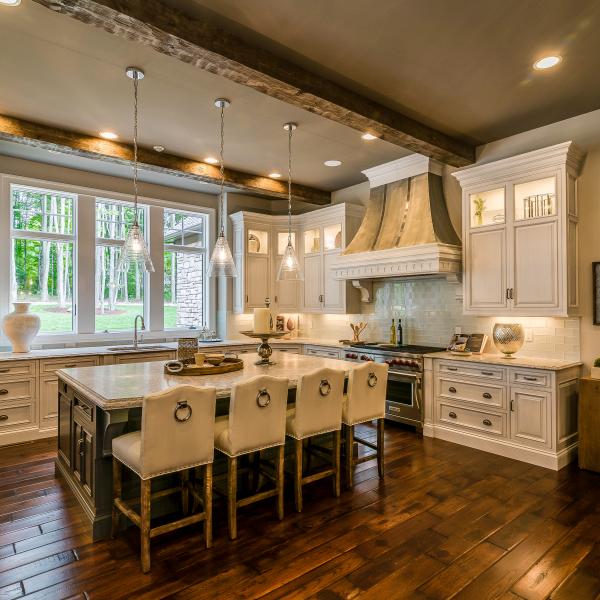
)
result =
(367, 386)
(177, 429)
(319, 399)
(257, 414)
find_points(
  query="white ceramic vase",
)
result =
(21, 326)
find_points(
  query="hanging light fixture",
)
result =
(221, 262)
(135, 250)
(289, 269)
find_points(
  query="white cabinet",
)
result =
(520, 221)
(287, 293)
(529, 413)
(313, 277)
(323, 352)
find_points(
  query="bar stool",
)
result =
(364, 401)
(256, 421)
(318, 410)
(176, 435)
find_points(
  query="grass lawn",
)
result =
(54, 322)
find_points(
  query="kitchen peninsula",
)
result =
(99, 403)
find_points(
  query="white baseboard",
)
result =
(26, 435)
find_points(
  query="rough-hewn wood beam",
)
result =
(208, 47)
(78, 144)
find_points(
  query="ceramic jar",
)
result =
(508, 338)
(21, 326)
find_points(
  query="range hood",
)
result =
(406, 230)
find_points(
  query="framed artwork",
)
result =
(596, 287)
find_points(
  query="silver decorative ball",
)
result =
(508, 338)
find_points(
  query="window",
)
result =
(42, 252)
(185, 269)
(119, 297)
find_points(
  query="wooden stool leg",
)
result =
(208, 484)
(185, 492)
(380, 448)
(232, 498)
(349, 456)
(308, 455)
(335, 455)
(145, 511)
(255, 467)
(280, 480)
(298, 476)
(116, 476)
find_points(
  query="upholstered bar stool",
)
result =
(177, 435)
(364, 401)
(256, 421)
(318, 411)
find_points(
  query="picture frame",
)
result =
(596, 288)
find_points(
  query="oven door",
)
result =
(404, 398)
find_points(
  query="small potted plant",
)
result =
(479, 204)
(596, 369)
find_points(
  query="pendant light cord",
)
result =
(135, 149)
(290, 129)
(222, 169)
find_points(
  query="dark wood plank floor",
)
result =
(447, 522)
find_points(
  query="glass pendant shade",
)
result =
(289, 269)
(221, 261)
(135, 251)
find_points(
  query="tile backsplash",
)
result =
(430, 310)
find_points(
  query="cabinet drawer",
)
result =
(481, 393)
(53, 365)
(145, 357)
(17, 368)
(472, 370)
(322, 352)
(22, 388)
(467, 418)
(17, 415)
(83, 409)
(531, 377)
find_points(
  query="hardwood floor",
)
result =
(447, 521)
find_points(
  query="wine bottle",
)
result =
(399, 336)
(393, 333)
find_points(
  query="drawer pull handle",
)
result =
(393, 409)
(4, 370)
(487, 395)
(452, 369)
(452, 390)
(3, 392)
(3, 417)
(488, 373)
(70, 366)
(487, 422)
(452, 415)
(526, 378)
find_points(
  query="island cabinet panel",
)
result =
(65, 406)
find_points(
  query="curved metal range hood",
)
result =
(406, 230)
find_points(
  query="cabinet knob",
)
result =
(3, 417)
(452, 390)
(3, 392)
(487, 422)
(452, 415)
(487, 395)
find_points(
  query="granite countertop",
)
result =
(549, 364)
(114, 387)
(104, 350)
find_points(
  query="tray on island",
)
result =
(227, 366)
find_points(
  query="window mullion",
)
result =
(85, 282)
(155, 312)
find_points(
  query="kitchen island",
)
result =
(96, 404)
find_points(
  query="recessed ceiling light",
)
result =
(275, 175)
(211, 160)
(109, 135)
(158, 148)
(10, 2)
(332, 163)
(368, 136)
(547, 62)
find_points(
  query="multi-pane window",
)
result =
(42, 254)
(185, 269)
(119, 296)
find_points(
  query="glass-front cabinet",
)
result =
(520, 221)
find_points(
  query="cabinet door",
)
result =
(485, 271)
(535, 266)
(48, 402)
(333, 289)
(529, 417)
(257, 280)
(83, 457)
(313, 279)
(64, 429)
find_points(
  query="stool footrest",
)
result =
(177, 524)
(366, 443)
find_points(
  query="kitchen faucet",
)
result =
(135, 329)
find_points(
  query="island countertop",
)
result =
(113, 387)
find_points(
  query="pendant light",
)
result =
(289, 269)
(135, 251)
(221, 262)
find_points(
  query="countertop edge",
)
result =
(546, 364)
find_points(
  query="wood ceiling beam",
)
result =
(213, 49)
(87, 146)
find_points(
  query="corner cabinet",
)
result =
(258, 245)
(520, 222)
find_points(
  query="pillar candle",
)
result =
(262, 320)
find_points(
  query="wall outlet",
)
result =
(458, 330)
(528, 334)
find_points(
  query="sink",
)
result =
(140, 348)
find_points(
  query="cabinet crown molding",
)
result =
(565, 154)
(396, 170)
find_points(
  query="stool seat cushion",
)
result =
(127, 449)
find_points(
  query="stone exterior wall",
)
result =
(189, 290)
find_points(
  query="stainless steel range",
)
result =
(405, 378)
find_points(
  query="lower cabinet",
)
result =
(529, 414)
(320, 351)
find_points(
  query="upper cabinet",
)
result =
(520, 221)
(258, 245)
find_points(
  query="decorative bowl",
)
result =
(508, 338)
(215, 359)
